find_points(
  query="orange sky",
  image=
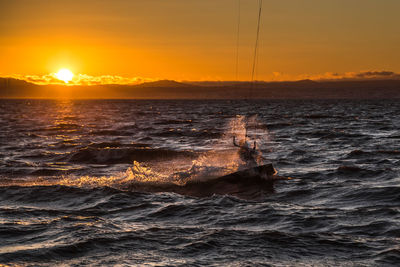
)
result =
(138, 40)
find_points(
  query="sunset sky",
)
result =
(131, 41)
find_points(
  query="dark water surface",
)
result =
(65, 167)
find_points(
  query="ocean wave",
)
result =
(199, 180)
(116, 144)
(383, 194)
(388, 256)
(115, 155)
(203, 134)
(60, 127)
(172, 121)
(351, 170)
(361, 153)
(104, 132)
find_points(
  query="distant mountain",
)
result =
(246, 83)
(167, 89)
(10, 87)
(164, 84)
(11, 82)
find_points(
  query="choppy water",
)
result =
(65, 167)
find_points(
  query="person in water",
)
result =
(248, 155)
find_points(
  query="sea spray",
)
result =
(221, 160)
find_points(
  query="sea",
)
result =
(78, 179)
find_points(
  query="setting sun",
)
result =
(64, 75)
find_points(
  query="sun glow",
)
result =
(64, 75)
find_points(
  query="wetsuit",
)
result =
(247, 154)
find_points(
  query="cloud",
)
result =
(378, 74)
(362, 75)
(82, 79)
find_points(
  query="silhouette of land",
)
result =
(166, 89)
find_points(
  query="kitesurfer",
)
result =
(248, 155)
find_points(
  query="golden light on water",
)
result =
(64, 75)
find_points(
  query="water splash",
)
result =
(223, 159)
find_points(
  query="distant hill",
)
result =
(164, 84)
(17, 88)
(167, 89)
(10, 82)
(246, 83)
